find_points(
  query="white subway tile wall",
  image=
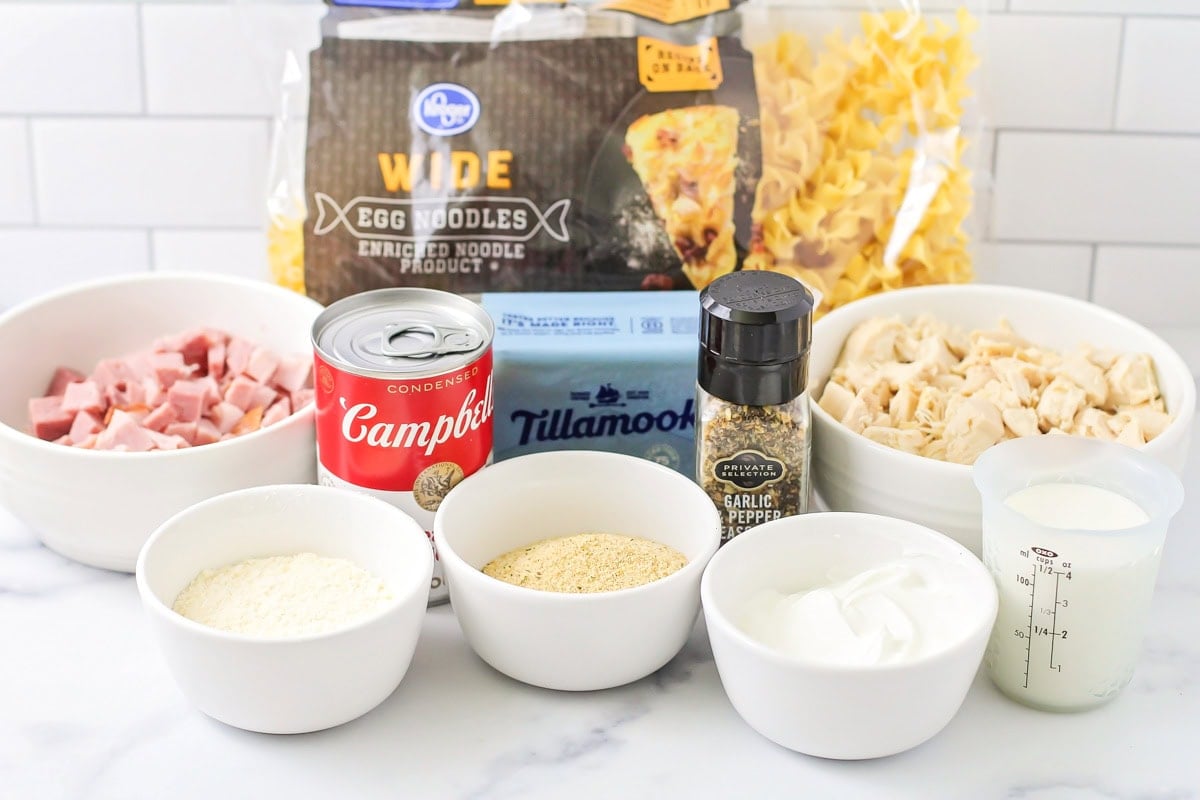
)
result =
(134, 135)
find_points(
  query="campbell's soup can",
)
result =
(404, 398)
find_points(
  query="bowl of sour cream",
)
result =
(847, 635)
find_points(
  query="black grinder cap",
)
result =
(755, 331)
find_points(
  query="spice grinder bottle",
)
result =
(752, 415)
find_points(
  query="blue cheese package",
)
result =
(612, 371)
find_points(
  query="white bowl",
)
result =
(296, 684)
(574, 641)
(98, 507)
(853, 473)
(845, 712)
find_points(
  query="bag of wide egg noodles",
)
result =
(481, 146)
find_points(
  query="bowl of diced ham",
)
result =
(128, 399)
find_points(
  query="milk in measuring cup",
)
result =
(1072, 598)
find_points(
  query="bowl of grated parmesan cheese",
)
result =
(576, 570)
(287, 609)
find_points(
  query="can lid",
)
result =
(391, 332)
(755, 332)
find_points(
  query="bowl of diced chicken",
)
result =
(129, 399)
(911, 386)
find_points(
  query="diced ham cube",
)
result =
(206, 433)
(292, 373)
(83, 396)
(167, 442)
(48, 420)
(169, 367)
(251, 421)
(85, 425)
(301, 398)
(161, 417)
(126, 393)
(184, 430)
(225, 415)
(124, 432)
(242, 392)
(281, 410)
(156, 393)
(63, 376)
(212, 390)
(263, 364)
(111, 371)
(139, 366)
(138, 412)
(194, 348)
(188, 399)
(64, 439)
(87, 444)
(264, 396)
(216, 359)
(237, 355)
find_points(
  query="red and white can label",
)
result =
(405, 434)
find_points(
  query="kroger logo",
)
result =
(445, 109)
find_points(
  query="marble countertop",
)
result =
(87, 710)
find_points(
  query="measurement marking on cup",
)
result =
(1029, 635)
(1054, 621)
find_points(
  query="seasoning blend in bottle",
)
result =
(752, 416)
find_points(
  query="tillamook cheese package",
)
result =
(585, 371)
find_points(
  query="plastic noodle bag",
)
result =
(624, 145)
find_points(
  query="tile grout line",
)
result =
(1091, 289)
(141, 45)
(1116, 100)
(31, 165)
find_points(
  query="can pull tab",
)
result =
(421, 340)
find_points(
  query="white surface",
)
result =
(841, 711)
(100, 507)
(16, 185)
(242, 253)
(1032, 80)
(853, 473)
(1172, 7)
(70, 57)
(303, 683)
(566, 641)
(1060, 268)
(90, 711)
(1155, 285)
(1112, 188)
(1151, 100)
(150, 172)
(221, 58)
(34, 261)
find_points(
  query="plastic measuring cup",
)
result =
(1073, 602)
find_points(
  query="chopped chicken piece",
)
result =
(1094, 423)
(974, 426)
(903, 407)
(1021, 421)
(999, 342)
(836, 399)
(999, 394)
(1021, 376)
(931, 406)
(910, 441)
(1131, 434)
(1087, 376)
(1131, 380)
(976, 378)
(1153, 420)
(1060, 402)
(874, 341)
